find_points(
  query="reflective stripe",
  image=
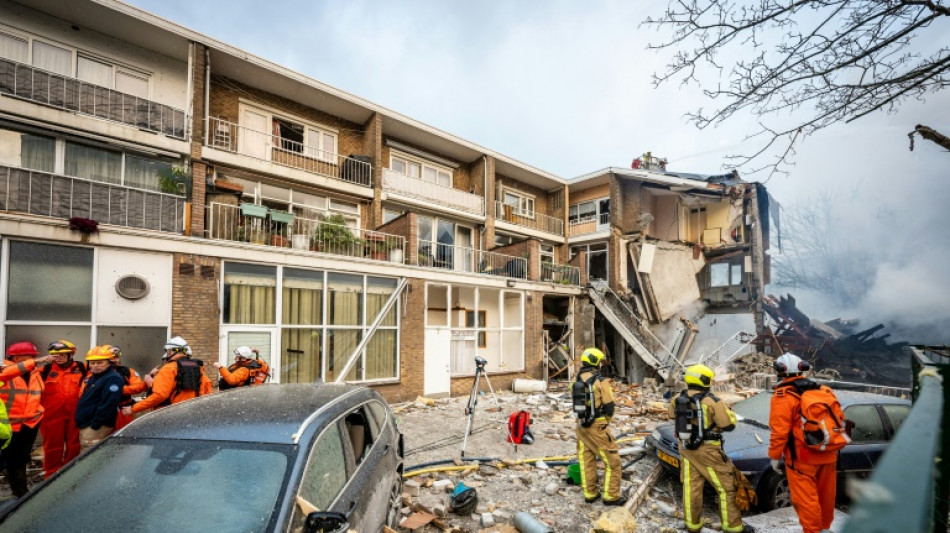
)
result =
(21, 366)
(688, 499)
(723, 502)
(603, 457)
(580, 462)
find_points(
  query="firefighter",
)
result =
(811, 473)
(596, 441)
(133, 385)
(62, 381)
(243, 372)
(168, 386)
(707, 462)
(21, 392)
(101, 392)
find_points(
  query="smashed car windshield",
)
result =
(161, 485)
(755, 407)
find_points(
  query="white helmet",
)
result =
(789, 364)
(245, 352)
(178, 344)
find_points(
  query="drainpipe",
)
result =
(207, 91)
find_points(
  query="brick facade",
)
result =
(195, 311)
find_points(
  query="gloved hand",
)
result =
(776, 466)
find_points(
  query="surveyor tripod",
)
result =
(473, 399)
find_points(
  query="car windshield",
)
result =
(754, 407)
(161, 485)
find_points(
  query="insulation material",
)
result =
(672, 280)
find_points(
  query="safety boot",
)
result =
(17, 480)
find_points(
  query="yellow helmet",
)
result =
(61, 347)
(99, 353)
(592, 357)
(700, 375)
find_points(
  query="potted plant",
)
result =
(378, 246)
(332, 235)
(279, 235)
(174, 180)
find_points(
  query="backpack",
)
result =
(519, 430)
(189, 375)
(258, 372)
(823, 426)
(582, 396)
(688, 416)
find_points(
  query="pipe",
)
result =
(408, 475)
(527, 523)
(444, 461)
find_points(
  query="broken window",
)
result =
(289, 135)
(719, 275)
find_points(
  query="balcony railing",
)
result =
(266, 146)
(40, 193)
(509, 213)
(432, 192)
(226, 222)
(71, 94)
(463, 259)
(590, 224)
(562, 274)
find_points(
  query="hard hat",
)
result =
(61, 347)
(99, 353)
(700, 375)
(245, 352)
(22, 348)
(177, 344)
(116, 351)
(463, 501)
(789, 363)
(592, 357)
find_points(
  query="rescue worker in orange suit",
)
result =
(243, 372)
(101, 392)
(62, 381)
(811, 473)
(133, 386)
(167, 386)
(596, 441)
(707, 462)
(21, 391)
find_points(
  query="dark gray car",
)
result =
(259, 459)
(876, 419)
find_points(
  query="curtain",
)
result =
(52, 58)
(94, 72)
(251, 304)
(381, 355)
(345, 300)
(302, 306)
(37, 152)
(143, 173)
(92, 163)
(301, 355)
(340, 345)
(131, 84)
(14, 48)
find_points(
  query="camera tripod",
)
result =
(473, 400)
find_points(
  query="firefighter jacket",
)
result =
(784, 412)
(99, 403)
(21, 391)
(165, 389)
(61, 389)
(603, 395)
(235, 375)
(133, 384)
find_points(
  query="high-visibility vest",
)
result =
(22, 396)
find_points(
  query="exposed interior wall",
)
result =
(672, 278)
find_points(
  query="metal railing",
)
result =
(266, 146)
(41, 193)
(432, 192)
(463, 259)
(732, 348)
(509, 213)
(590, 224)
(226, 222)
(562, 274)
(71, 94)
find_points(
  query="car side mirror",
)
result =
(325, 522)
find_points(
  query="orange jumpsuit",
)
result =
(21, 390)
(133, 385)
(164, 388)
(58, 427)
(235, 375)
(812, 477)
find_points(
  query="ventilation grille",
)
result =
(132, 287)
(186, 269)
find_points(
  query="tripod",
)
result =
(473, 399)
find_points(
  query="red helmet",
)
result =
(22, 348)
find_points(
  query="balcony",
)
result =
(560, 274)
(265, 146)
(590, 224)
(71, 94)
(285, 230)
(40, 193)
(462, 259)
(537, 221)
(404, 185)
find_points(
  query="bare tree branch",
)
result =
(931, 135)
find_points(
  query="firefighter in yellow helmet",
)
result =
(594, 406)
(701, 419)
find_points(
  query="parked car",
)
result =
(271, 458)
(876, 419)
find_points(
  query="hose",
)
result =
(556, 460)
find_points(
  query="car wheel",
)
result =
(774, 492)
(395, 504)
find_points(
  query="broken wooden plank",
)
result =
(643, 489)
(416, 520)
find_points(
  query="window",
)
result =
(470, 323)
(867, 423)
(391, 214)
(91, 163)
(520, 203)
(132, 83)
(361, 437)
(896, 414)
(144, 173)
(32, 294)
(95, 72)
(547, 253)
(35, 152)
(52, 58)
(725, 274)
(249, 292)
(419, 169)
(15, 48)
(303, 139)
(324, 477)
(598, 210)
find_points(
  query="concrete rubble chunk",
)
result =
(487, 520)
(444, 484)
(617, 520)
(411, 487)
(551, 488)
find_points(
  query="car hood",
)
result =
(747, 437)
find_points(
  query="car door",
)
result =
(368, 487)
(868, 440)
(324, 477)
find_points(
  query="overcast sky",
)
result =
(565, 86)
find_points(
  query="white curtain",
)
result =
(143, 173)
(92, 163)
(128, 83)
(52, 58)
(14, 48)
(94, 72)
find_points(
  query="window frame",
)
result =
(271, 114)
(409, 161)
(524, 202)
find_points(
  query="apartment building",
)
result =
(157, 182)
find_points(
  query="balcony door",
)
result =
(254, 137)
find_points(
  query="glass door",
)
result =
(262, 340)
(464, 252)
(445, 244)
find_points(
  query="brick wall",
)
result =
(195, 312)
(530, 249)
(488, 237)
(411, 346)
(543, 201)
(199, 173)
(198, 100)
(580, 261)
(372, 144)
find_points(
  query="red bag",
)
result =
(519, 428)
(823, 426)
